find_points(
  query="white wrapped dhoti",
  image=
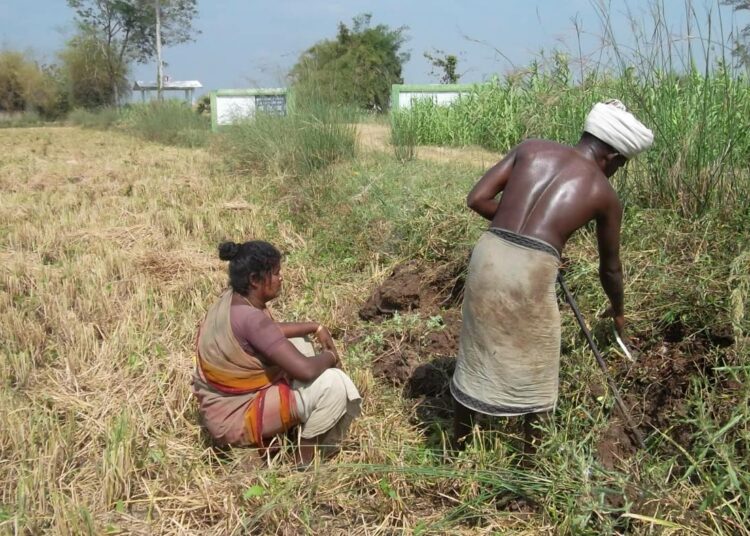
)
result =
(509, 350)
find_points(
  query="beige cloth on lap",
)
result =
(509, 350)
(328, 404)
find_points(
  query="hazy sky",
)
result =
(244, 43)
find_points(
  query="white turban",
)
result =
(611, 122)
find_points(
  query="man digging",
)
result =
(509, 348)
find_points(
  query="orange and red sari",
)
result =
(241, 399)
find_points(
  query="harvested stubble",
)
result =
(108, 252)
(108, 263)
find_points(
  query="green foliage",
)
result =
(444, 66)
(357, 68)
(102, 118)
(95, 76)
(203, 106)
(698, 160)
(309, 139)
(25, 86)
(170, 122)
(127, 26)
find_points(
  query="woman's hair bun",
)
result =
(228, 250)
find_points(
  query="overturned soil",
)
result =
(655, 390)
(655, 387)
(414, 287)
(420, 361)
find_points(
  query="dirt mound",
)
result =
(422, 365)
(412, 286)
(420, 362)
(655, 389)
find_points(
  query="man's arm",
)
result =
(481, 199)
(608, 224)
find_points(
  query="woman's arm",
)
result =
(297, 329)
(300, 329)
(268, 340)
(298, 367)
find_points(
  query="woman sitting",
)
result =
(251, 380)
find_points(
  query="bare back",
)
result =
(552, 190)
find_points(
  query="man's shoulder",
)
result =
(539, 148)
(533, 144)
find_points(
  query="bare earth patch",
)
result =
(375, 137)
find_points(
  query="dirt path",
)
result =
(376, 137)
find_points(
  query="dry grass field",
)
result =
(108, 263)
(108, 250)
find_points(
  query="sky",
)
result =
(245, 43)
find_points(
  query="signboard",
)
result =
(271, 104)
(229, 106)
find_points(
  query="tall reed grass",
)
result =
(169, 122)
(699, 158)
(310, 138)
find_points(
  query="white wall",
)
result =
(231, 109)
(443, 98)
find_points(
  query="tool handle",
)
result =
(615, 392)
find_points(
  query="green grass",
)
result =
(170, 122)
(309, 139)
(102, 119)
(699, 158)
(26, 119)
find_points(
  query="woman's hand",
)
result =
(326, 341)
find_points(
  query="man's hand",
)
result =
(619, 321)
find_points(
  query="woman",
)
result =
(251, 380)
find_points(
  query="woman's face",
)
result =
(271, 285)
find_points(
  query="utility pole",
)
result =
(159, 66)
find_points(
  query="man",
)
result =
(509, 351)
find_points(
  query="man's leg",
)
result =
(462, 424)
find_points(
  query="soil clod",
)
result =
(412, 286)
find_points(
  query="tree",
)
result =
(444, 66)
(93, 77)
(358, 67)
(127, 29)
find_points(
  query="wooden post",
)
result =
(159, 66)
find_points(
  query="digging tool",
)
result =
(615, 392)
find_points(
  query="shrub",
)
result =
(310, 138)
(102, 118)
